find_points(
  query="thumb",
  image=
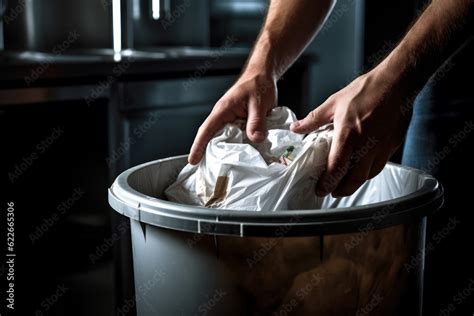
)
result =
(323, 114)
(256, 121)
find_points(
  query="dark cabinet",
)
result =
(165, 132)
(159, 118)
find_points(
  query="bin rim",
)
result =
(283, 223)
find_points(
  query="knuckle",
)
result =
(257, 117)
(253, 122)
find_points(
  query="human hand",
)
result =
(251, 98)
(370, 116)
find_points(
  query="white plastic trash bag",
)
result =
(277, 174)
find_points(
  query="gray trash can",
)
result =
(357, 255)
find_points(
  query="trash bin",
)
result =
(356, 255)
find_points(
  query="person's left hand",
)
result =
(370, 117)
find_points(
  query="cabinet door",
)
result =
(164, 132)
(159, 118)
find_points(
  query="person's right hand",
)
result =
(251, 98)
(370, 117)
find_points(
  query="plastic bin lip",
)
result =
(136, 205)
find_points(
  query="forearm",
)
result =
(288, 29)
(426, 45)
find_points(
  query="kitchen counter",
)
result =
(30, 69)
(37, 77)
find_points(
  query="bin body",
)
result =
(362, 260)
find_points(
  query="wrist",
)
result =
(397, 80)
(402, 71)
(263, 60)
(258, 74)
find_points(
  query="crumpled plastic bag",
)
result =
(278, 174)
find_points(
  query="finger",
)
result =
(206, 132)
(381, 159)
(338, 162)
(355, 177)
(377, 167)
(256, 121)
(315, 119)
